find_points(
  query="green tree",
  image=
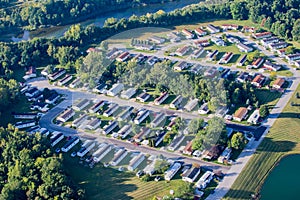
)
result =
(264, 111)
(238, 141)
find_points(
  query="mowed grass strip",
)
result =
(283, 139)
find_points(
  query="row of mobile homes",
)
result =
(119, 156)
(157, 40)
(135, 162)
(78, 121)
(205, 179)
(25, 124)
(25, 115)
(161, 98)
(171, 172)
(176, 142)
(93, 124)
(111, 110)
(81, 105)
(66, 115)
(75, 83)
(176, 102)
(191, 105)
(65, 80)
(110, 127)
(125, 114)
(230, 27)
(70, 144)
(127, 94)
(225, 155)
(143, 97)
(158, 119)
(103, 150)
(191, 175)
(141, 116)
(125, 131)
(56, 138)
(85, 148)
(141, 135)
(116, 89)
(96, 107)
(56, 75)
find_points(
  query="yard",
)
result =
(267, 97)
(109, 183)
(283, 139)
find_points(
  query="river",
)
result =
(283, 182)
(126, 13)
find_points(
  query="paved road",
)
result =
(225, 185)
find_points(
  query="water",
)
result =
(283, 182)
(126, 13)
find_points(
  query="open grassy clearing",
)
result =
(267, 97)
(109, 183)
(283, 139)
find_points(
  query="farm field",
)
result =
(283, 139)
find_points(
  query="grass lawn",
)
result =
(267, 97)
(109, 183)
(283, 139)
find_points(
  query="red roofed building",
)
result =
(258, 80)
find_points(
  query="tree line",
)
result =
(30, 170)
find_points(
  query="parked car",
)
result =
(140, 173)
(73, 154)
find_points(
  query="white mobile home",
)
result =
(141, 135)
(170, 173)
(111, 110)
(70, 144)
(159, 138)
(191, 105)
(143, 97)
(65, 80)
(157, 120)
(116, 89)
(141, 116)
(52, 99)
(119, 156)
(176, 142)
(110, 127)
(176, 102)
(25, 115)
(96, 107)
(93, 124)
(77, 122)
(66, 115)
(81, 105)
(127, 94)
(124, 131)
(25, 124)
(56, 138)
(86, 147)
(161, 98)
(56, 75)
(75, 83)
(136, 161)
(191, 174)
(103, 150)
(205, 180)
(125, 114)
(225, 155)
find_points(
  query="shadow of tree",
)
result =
(269, 145)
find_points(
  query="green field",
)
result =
(283, 139)
(265, 96)
(109, 183)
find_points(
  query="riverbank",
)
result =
(282, 140)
